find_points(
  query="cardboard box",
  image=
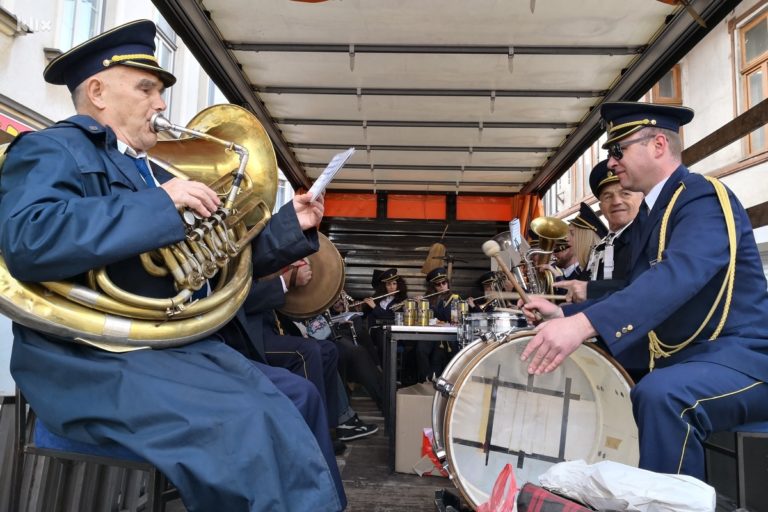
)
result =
(414, 413)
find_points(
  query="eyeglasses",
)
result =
(616, 150)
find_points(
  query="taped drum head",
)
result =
(499, 414)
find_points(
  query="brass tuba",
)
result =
(244, 173)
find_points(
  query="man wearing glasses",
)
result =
(693, 314)
(609, 263)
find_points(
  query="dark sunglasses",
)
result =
(616, 150)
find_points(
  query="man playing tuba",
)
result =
(229, 433)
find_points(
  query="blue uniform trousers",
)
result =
(678, 407)
(315, 360)
(218, 425)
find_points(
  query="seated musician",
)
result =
(230, 433)
(491, 282)
(314, 361)
(353, 327)
(704, 351)
(572, 258)
(355, 364)
(431, 356)
(441, 298)
(609, 262)
(389, 289)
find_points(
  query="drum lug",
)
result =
(443, 386)
(488, 336)
(440, 454)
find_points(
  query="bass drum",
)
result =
(497, 414)
(444, 386)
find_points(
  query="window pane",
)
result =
(755, 87)
(756, 40)
(667, 85)
(81, 20)
(756, 94)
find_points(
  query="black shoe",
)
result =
(339, 447)
(354, 428)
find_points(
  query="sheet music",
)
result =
(322, 181)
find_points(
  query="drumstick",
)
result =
(491, 248)
(515, 295)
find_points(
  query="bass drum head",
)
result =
(498, 414)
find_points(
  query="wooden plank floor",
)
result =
(369, 485)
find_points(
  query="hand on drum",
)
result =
(309, 212)
(555, 340)
(303, 274)
(577, 290)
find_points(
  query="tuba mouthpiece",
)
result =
(159, 123)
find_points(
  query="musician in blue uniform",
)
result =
(390, 288)
(608, 267)
(230, 433)
(694, 311)
(315, 360)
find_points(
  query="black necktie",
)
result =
(642, 215)
(141, 165)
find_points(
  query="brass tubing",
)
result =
(106, 284)
(151, 267)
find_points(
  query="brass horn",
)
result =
(549, 230)
(224, 147)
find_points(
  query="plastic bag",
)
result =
(615, 486)
(503, 494)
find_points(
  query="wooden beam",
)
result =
(758, 215)
(741, 126)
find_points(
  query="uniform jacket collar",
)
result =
(654, 217)
(103, 137)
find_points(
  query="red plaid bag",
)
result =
(533, 498)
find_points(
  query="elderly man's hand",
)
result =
(577, 290)
(309, 212)
(555, 340)
(192, 194)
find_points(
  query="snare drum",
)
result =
(499, 322)
(497, 414)
(474, 324)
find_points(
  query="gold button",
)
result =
(618, 334)
(630, 327)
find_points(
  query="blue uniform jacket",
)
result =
(106, 215)
(674, 295)
(69, 202)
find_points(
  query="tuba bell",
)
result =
(225, 147)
